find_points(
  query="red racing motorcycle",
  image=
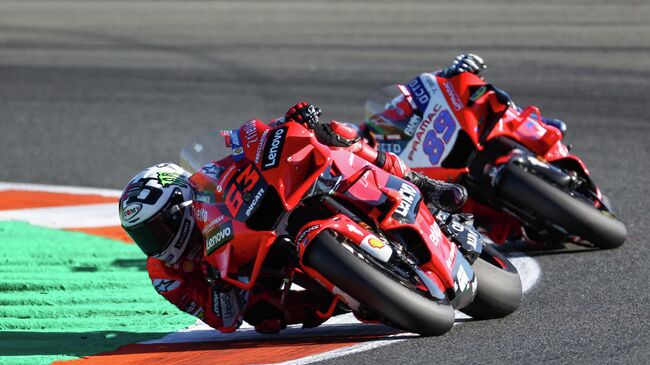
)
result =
(280, 208)
(519, 174)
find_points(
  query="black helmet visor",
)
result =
(155, 235)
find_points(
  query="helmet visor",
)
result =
(155, 235)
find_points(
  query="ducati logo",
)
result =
(375, 242)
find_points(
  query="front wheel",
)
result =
(536, 195)
(498, 286)
(399, 305)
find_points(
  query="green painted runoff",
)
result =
(64, 295)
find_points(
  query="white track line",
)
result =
(74, 216)
(529, 272)
(59, 189)
(343, 325)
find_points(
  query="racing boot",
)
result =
(446, 196)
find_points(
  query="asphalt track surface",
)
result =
(92, 92)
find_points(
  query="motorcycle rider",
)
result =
(403, 110)
(155, 210)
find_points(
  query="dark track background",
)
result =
(93, 92)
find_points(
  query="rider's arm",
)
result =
(185, 287)
(348, 136)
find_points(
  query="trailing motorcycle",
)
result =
(519, 174)
(280, 208)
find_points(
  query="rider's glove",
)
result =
(446, 196)
(468, 62)
(303, 112)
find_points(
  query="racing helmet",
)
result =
(155, 210)
(390, 110)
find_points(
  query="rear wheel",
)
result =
(372, 287)
(498, 286)
(530, 192)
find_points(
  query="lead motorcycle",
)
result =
(278, 208)
(520, 177)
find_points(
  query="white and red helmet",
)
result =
(155, 210)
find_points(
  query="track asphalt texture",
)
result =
(92, 92)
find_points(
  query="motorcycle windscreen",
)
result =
(388, 111)
(204, 148)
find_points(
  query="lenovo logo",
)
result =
(273, 149)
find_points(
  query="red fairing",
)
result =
(244, 202)
(370, 187)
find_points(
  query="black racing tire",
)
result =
(534, 194)
(401, 307)
(499, 291)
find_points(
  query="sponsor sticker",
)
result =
(273, 148)
(219, 237)
(409, 194)
(253, 204)
(225, 177)
(260, 146)
(172, 178)
(212, 223)
(303, 236)
(227, 306)
(235, 143)
(376, 247)
(201, 215)
(375, 242)
(165, 285)
(453, 97)
(131, 211)
(185, 232)
(411, 126)
(250, 133)
(395, 147)
(188, 265)
(194, 309)
(419, 92)
(478, 93)
(422, 131)
(434, 234)
(212, 170)
(452, 255)
(203, 197)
